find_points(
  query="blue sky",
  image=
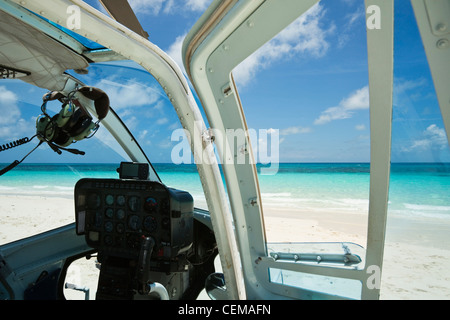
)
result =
(310, 83)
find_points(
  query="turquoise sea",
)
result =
(416, 189)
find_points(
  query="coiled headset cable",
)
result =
(13, 145)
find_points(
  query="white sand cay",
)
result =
(417, 253)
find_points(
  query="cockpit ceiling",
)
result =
(29, 50)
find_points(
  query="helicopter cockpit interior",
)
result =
(141, 229)
(73, 71)
(147, 239)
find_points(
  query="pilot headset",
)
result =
(73, 122)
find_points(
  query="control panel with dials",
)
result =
(115, 215)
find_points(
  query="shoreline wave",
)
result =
(417, 190)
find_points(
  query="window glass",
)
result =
(419, 201)
(308, 88)
(144, 107)
(306, 98)
(37, 195)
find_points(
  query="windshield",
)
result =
(45, 179)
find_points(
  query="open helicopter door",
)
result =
(125, 42)
(226, 35)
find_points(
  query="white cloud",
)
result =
(12, 125)
(146, 6)
(197, 5)
(346, 32)
(358, 100)
(304, 36)
(8, 106)
(402, 85)
(129, 94)
(142, 135)
(349, 2)
(432, 138)
(175, 53)
(294, 130)
(162, 121)
(353, 17)
(360, 127)
(155, 7)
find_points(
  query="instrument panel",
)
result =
(116, 214)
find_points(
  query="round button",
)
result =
(120, 200)
(120, 214)
(109, 199)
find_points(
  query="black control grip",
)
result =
(143, 274)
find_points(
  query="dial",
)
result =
(109, 226)
(121, 200)
(120, 214)
(109, 213)
(109, 199)
(134, 222)
(133, 203)
(150, 224)
(150, 204)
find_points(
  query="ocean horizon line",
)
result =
(262, 164)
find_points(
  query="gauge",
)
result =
(150, 204)
(109, 213)
(109, 199)
(134, 222)
(150, 224)
(109, 226)
(120, 214)
(120, 200)
(133, 203)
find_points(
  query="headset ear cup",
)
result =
(101, 100)
(81, 126)
(45, 127)
(78, 123)
(87, 131)
(61, 138)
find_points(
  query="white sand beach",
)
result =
(417, 251)
(416, 259)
